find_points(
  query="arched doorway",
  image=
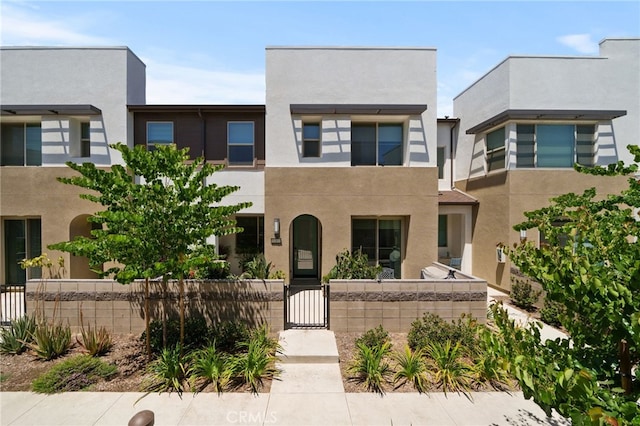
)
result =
(305, 255)
(79, 265)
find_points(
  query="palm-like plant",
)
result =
(167, 372)
(254, 365)
(370, 366)
(412, 368)
(450, 371)
(15, 338)
(210, 366)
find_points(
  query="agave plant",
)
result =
(449, 369)
(412, 368)
(95, 342)
(50, 340)
(370, 366)
(210, 366)
(15, 338)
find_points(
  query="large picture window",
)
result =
(240, 140)
(21, 144)
(554, 145)
(159, 133)
(380, 240)
(376, 144)
(22, 240)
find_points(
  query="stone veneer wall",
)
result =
(360, 305)
(120, 308)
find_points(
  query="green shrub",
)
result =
(256, 363)
(523, 295)
(352, 267)
(95, 342)
(370, 366)
(74, 374)
(374, 337)
(210, 366)
(449, 369)
(552, 312)
(256, 267)
(51, 340)
(411, 368)
(167, 373)
(431, 328)
(15, 338)
(229, 335)
(196, 333)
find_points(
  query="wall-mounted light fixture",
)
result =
(276, 227)
(523, 235)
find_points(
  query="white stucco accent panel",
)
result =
(339, 76)
(108, 78)
(251, 183)
(610, 81)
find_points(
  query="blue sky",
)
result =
(213, 52)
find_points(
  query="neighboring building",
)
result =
(526, 122)
(230, 135)
(57, 105)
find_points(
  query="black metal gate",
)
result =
(13, 303)
(306, 306)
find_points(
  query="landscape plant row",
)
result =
(225, 365)
(452, 356)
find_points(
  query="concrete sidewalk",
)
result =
(299, 409)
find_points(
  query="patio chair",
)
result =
(456, 262)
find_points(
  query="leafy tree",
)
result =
(590, 264)
(158, 214)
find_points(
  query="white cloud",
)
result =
(23, 26)
(582, 43)
(175, 84)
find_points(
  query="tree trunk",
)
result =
(181, 284)
(625, 367)
(146, 318)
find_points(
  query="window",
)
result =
(496, 150)
(21, 144)
(159, 133)
(311, 140)
(443, 241)
(85, 140)
(21, 241)
(376, 144)
(251, 240)
(441, 160)
(380, 240)
(554, 145)
(240, 136)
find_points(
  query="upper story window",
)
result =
(496, 150)
(376, 144)
(554, 145)
(21, 144)
(311, 140)
(441, 160)
(240, 142)
(85, 139)
(159, 133)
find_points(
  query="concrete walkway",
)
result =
(308, 392)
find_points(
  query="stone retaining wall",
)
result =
(120, 308)
(359, 305)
